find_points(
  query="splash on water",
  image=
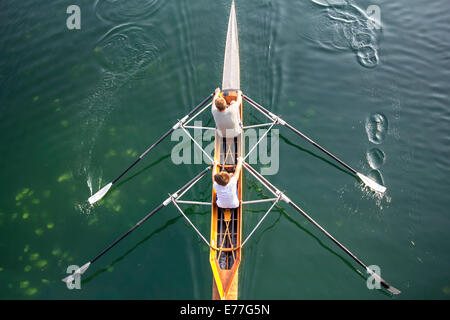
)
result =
(352, 204)
(89, 183)
(382, 200)
(84, 208)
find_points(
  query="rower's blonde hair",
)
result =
(222, 178)
(221, 103)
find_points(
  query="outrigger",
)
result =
(226, 224)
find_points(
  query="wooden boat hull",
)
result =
(226, 224)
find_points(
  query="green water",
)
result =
(78, 106)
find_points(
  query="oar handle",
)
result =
(269, 114)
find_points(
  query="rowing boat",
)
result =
(226, 224)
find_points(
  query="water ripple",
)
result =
(342, 25)
(125, 53)
(376, 128)
(376, 176)
(128, 49)
(126, 10)
(375, 158)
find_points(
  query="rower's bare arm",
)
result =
(216, 95)
(238, 168)
(215, 163)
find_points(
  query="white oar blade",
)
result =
(77, 273)
(371, 183)
(385, 285)
(100, 193)
(393, 290)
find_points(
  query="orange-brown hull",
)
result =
(226, 224)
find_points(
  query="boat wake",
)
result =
(124, 53)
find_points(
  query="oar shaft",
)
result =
(187, 185)
(143, 155)
(128, 232)
(319, 147)
(274, 190)
(261, 178)
(383, 282)
(269, 114)
(193, 180)
(200, 105)
(127, 169)
(340, 245)
(256, 105)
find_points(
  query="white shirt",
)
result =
(227, 121)
(227, 197)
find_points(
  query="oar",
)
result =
(103, 191)
(277, 193)
(83, 269)
(366, 180)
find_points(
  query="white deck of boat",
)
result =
(231, 67)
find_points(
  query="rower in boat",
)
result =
(226, 116)
(225, 185)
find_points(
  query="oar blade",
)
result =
(393, 290)
(77, 273)
(100, 194)
(372, 184)
(385, 285)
